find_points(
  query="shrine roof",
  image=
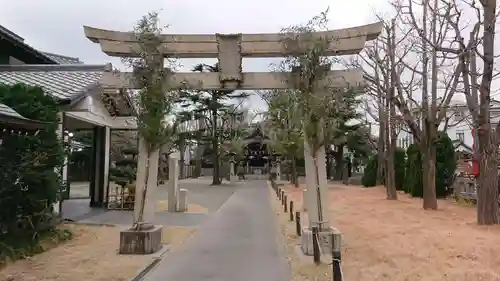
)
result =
(257, 134)
(19, 47)
(63, 82)
(60, 59)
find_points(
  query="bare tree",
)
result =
(391, 136)
(478, 94)
(416, 51)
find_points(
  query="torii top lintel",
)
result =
(345, 41)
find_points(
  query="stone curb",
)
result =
(90, 223)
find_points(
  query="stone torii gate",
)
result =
(229, 49)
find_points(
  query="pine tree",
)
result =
(211, 106)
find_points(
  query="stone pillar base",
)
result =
(233, 178)
(183, 200)
(141, 242)
(325, 240)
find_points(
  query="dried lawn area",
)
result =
(303, 268)
(398, 240)
(91, 255)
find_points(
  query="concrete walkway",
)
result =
(238, 243)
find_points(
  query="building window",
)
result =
(461, 136)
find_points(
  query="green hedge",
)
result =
(29, 183)
(446, 165)
(370, 175)
(369, 178)
(413, 175)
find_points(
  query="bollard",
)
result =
(285, 207)
(336, 257)
(315, 241)
(297, 223)
(291, 210)
(282, 196)
(279, 193)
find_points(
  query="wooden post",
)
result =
(336, 257)
(291, 210)
(285, 207)
(297, 223)
(315, 241)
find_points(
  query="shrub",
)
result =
(445, 167)
(446, 164)
(369, 178)
(30, 183)
(413, 173)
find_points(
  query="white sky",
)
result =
(56, 25)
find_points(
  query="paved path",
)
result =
(238, 243)
(199, 192)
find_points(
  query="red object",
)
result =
(475, 164)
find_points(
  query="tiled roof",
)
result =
(7, 111)
(15, 39)
(64, 82)
(10, 118)
(60, 59)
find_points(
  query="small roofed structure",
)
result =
(84, 103)
(11, 120)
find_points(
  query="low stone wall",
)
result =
(464, 187)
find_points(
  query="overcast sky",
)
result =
(56, 25)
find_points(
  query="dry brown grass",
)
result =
(398, 240)
(91, 255)
(303, 268)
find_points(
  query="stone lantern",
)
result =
(277, 161)
(232, 161)
(330, 153)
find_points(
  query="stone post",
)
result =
(278, 171)
(173, 178)
(232, 175)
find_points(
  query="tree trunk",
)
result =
(391, 179)
(197, 168)
(381, 143)
(487, 207)
(392, 193)
(429, 176)
(487, 192)
(329, 168)
(295, 178)
(216, 179)
(182, 150)
(339, 162)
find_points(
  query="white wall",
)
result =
(461, 129)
